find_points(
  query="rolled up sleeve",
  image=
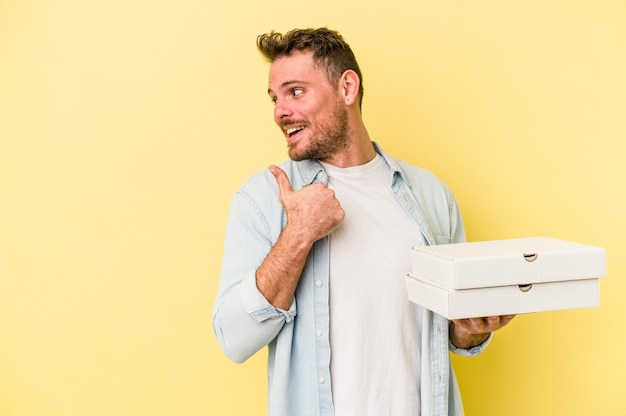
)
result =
(258, 307)
(243, 320)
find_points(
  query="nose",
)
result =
(281, 111)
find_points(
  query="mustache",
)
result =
(289, 123)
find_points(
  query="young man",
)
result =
(317, 249)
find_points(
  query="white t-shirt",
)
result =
(374, 329)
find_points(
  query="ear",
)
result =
(349, 86)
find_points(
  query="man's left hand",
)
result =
(467, 333)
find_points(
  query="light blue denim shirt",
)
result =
(299, 380)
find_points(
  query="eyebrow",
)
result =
(286, 84)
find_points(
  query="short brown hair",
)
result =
(330, 51)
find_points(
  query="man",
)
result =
(317, 251)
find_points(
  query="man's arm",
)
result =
(259, 278)
(313, 212)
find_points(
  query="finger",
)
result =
(504, 320)
(497, 322)
(282, 180)
(492, 320)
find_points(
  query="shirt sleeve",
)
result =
(258, 307)
(243, 320)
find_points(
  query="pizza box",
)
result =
(502, 277)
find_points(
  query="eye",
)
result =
(274, 99)
(297, 91)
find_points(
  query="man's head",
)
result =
(330, 52)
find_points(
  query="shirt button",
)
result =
(319, 283)
(322, 380)
(318, 333)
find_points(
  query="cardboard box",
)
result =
(504, 277)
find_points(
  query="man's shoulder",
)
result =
(416, 175)
(260, 181)
(410, 172)
(300, 173)
(414, 170)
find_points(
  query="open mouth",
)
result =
(291, 132)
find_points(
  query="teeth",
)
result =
(294, 129)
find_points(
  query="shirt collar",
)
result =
(312, 171)
(396, 170)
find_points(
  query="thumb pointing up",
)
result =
(282, 180)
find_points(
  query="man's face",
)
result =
(307, 109)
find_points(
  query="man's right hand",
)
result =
(313, 212)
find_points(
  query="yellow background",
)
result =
(126, 126)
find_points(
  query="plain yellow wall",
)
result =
(126, 126)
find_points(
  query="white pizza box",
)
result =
(503, 300)
(508, 262)
(504, 277)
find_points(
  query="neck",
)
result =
(358, 151)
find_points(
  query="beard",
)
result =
(326, 140)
